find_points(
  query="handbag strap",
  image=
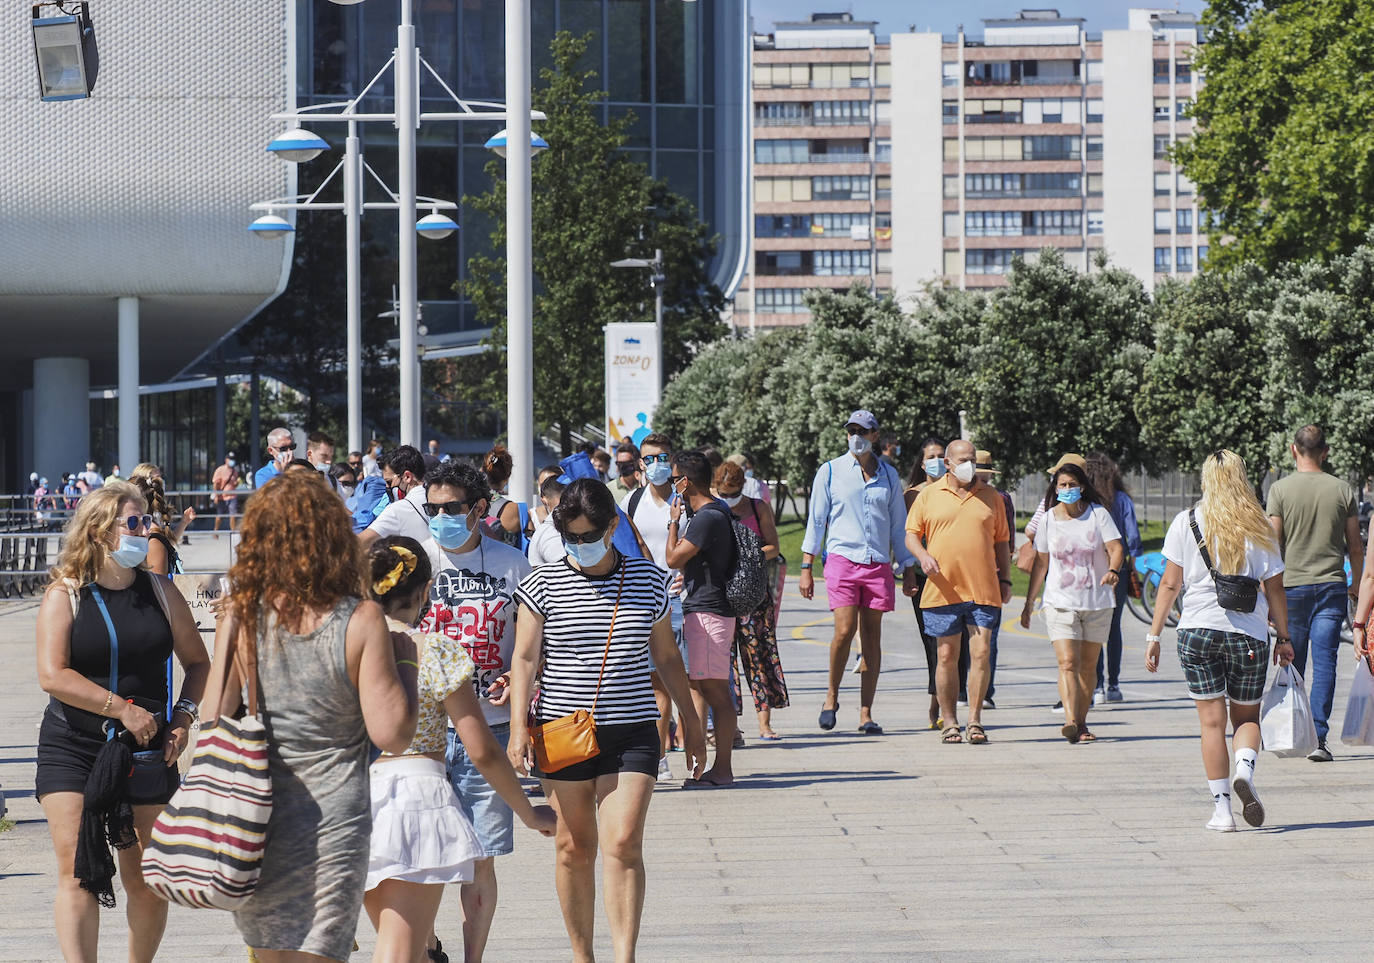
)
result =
(114, 649)
(605, 653)
(1201, 545)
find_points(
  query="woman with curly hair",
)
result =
(1223, 645)
(503, 517)
(106, 628)
(331, 680)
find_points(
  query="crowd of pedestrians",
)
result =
(415, 641)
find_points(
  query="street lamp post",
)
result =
(657, 280)
(519, 255)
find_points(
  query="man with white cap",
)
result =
(858, 512)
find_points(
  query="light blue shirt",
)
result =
(866, 517)
(266, 473)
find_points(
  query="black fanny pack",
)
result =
(1235, 593)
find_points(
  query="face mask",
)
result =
(935, 467)
(115, 473)
(964, 472)
(626, 468)
(748, 473)
(659, 472)
(229, 461)
(859, 445)
(586, 556)
(733, 500)
(321, 467)
(133, 549)
(348, 490)
(1069, 495)
(450, 531)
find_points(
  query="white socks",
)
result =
(1221, 794)
(1245, 763)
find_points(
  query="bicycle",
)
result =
(1150, 568)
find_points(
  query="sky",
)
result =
(944, 16)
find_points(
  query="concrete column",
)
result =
(61, 416)
(129, 454)
(221, 402)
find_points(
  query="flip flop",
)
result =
(770, 737)
(1071, 733)
(827, 718)
(871, 728)
(1085, 736)
(705, 783)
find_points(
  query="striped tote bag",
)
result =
(206, 847)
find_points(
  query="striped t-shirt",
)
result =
(577, 615)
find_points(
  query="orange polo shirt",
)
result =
(960, 528)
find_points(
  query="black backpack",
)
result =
(746, 589)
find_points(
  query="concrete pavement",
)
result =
(895, 847)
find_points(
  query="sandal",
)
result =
(1071, 733)
(1085, 736)
(976, 735)
(951, 736)
(437, 955)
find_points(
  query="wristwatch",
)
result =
(806, 566)
(1151, 638)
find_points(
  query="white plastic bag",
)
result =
(1286, 725)
(1359, 711)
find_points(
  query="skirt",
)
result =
(419, 834)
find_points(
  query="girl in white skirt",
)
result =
(421, 839)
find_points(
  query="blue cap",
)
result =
(864, 419)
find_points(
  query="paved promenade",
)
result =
(835, 846)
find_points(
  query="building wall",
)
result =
(1128, 201)
(917, 195)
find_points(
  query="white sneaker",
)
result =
(1099, 697)
(1253, 810)
(664, 773)
(1222, 822)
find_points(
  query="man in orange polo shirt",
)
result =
(957, 529)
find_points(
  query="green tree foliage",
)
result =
(1203, 387)
(1058, 364)
(592, 204)
(1285, 151)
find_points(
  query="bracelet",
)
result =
(806, 566)
(408, 662)
(187, 706)
(109, 698)
(1151, 638)
(1004, 581)
(1358, 625)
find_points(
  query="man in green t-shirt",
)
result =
(1315, 516)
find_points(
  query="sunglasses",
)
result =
(661, 459)
(138, 522)
(433, 509)
(584, 538)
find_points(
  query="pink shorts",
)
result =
(870, 586)
(710, 644)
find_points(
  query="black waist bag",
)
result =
(1235, 593)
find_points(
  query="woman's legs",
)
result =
(1211, 714)
(1070, 693)
(146, 911)
(1087, 679)
(1245, 724)
(75, 911)
(622, 804)
(766, 721)
(403, 915)
(575, 866)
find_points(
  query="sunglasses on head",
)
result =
(584, 538)
(136, 522)
(663, 458)
(432, 509)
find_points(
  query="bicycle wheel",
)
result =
(1150, 592)
(1138, 609)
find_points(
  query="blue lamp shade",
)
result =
(298, 146)
(498, 143)
(271, 226)
(435, 226)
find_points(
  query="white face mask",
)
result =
(859, 445)
(732, 500)
(964, 471)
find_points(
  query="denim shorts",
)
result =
(944, 620)
(1217, 664)
(484, 807)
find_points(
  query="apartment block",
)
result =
(935, 158)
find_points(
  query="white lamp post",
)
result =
(519, 254)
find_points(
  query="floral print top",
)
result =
(445, 667)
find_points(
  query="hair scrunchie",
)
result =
(404, 567)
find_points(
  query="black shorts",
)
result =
(66, 757)
(629, 747)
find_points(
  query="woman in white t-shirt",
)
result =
(1078, 557)
(1224, 652)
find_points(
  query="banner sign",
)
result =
(632, 380)
(201, 592)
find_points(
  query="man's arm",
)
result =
(1002, 550)
(897, 534)
(1355, 549)
(818, 514)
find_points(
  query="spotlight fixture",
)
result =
(65, 51)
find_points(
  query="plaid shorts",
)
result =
(1217, 664)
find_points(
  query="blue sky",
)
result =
(944, 16)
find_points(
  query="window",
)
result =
(840, 187)
(1183, 259)
(1094, 148)
(1161, 146)
(882, 150)
(950, 111)
(838, 151)
(782, 263)
(951, 185)
(882, 75)
(883, 112)
(1162, 183)
(1185, 221)
(1051, 148)
(983, 73)
(786, 114)
(782, 189)
(841, 263)
(839, 75)
(1183, 72)
(839, 113)
(992, 112)
(1163, 220)
(1094, 185)
(884, 262)
(1181, 109)
(952, 223)
(1024, 185)
(1054, 111)
(990, 223)
(949, 74)
(1044, 72)
(1094, 111)
(1161, 71)
(782, 225)
(952, 265)
(842, 224)
(779, 301)
(1185, 186)
(1162, 262)
(1094, 71)
(951, 149)
(781, 151)
(991, 148)
(882, 187)
(1053, 222)
(1162, 108)
(1095, 222)
(989, 260)
(1201, 254)
(782, 75)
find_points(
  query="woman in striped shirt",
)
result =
(597, 604)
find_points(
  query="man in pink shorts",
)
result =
(858, 512)
(701, 544)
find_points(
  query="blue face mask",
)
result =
(658, 473)
(586, 556)
(935, 468)
(748, 473)
(450, 531)
(1069, 495)
(133, 549)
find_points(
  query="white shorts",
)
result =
(419, 833)
(1083, 625)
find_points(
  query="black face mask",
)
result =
(626, 468)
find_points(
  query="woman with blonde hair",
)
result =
(1225, 556)
(332, 680)
(108, 744)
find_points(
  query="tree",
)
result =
(592, 204)
(1058, 366)
(1203, 387)
(1284, 150)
